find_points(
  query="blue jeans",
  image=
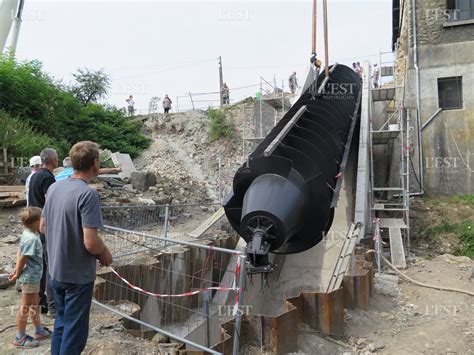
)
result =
(71, 326)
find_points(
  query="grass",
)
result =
(454, 199)
(464, 231)
(451, 216)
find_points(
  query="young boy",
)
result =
(28, 271)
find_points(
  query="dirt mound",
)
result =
(187, 160)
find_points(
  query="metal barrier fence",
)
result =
(166, 220)
(183, 289)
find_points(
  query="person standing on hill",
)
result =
(130, 106)
(167, 104)
(40, 183)
(225, 94)
(70, 220)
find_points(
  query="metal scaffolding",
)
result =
(390, 204)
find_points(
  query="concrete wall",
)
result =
(448, 142)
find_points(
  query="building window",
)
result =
(459, 10)
(450, 93)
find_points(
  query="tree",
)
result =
(53, 116)
(92, 85)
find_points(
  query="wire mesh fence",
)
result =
(165, 220)
(184, 288)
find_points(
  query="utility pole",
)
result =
(221, 80)
(326, 50)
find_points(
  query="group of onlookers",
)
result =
(131, 105)
(59, 248)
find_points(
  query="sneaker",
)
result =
(26, 342)
(45, 334)
(43, 308)
(51, 313)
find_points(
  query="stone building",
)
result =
(439, 55)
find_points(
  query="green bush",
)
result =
(48, 108)
(21, 140)
(219, 126)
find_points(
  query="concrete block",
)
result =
(142, 180)
(124, 162)
(386, 284)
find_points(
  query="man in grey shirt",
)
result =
(71, 217)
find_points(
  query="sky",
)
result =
(152, 48)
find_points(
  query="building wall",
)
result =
(431, 17)
(448, 142)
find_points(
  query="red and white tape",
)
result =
(163, 295)
(192, 293)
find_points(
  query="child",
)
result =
(28, 271)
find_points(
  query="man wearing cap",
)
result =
(35, 165)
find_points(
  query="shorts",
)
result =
(30, 288)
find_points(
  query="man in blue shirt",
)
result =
(68, 170)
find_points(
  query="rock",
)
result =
(371, 348)
(386, 284)
(122, 200)
(146, 201)
(142, 181)
(4, 282)
(10, 239)
(451, 259)
(129, 188)
(379, 345)
(160, 338)
(21, 175)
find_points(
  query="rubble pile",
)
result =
(186, 161)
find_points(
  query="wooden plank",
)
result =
(15, 188)
(12, 202)
(397, 252)
(208, 223)
(12, 194)
(392, 223)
